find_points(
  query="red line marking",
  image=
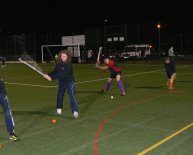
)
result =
(113, 113)
(102, 124)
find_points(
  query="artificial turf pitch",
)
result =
(149, 118)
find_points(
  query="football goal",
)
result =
(48, 52)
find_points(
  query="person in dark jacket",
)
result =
(7, 112)
(170, 71)
(63, 72)
(171, 53)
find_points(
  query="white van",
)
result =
(136, 51)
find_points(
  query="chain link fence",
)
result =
(12, 46)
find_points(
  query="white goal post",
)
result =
(49, 51)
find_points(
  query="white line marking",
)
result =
(126, 128)
(25, 84)
(89, 81)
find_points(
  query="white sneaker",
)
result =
(75, 114)
(59, 111)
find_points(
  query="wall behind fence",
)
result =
(12, 46)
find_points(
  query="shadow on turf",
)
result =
(38, 113)
(88, 92)
(186, 81)
(91, 98)
(97, 92)
(33, 120)
(150, 87)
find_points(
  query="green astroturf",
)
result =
(147, 114)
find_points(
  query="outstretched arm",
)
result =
(52, 75)
(46, 76)
(102, 67)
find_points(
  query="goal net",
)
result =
(48, 52)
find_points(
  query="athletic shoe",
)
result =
(75, 114)
(59, 111)
(103, 90)
(171, 88)
(13, 137)
(123, 94)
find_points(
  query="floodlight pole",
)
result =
(42, 53)
(138, 38)
(159, 27)
(159, 40)
(104, 29)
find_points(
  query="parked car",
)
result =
(136, 51)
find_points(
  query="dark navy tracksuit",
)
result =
(170, 68)
(64, 74)
(7, 111)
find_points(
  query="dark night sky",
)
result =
(176, 16)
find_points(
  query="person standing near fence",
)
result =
(3, 59)
(89, 56)
(56, 57)
(171, 53)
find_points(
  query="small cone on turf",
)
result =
(54, 121)
(1, 146)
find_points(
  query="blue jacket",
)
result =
(62, 72)
(2, 88)
(170, 67)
